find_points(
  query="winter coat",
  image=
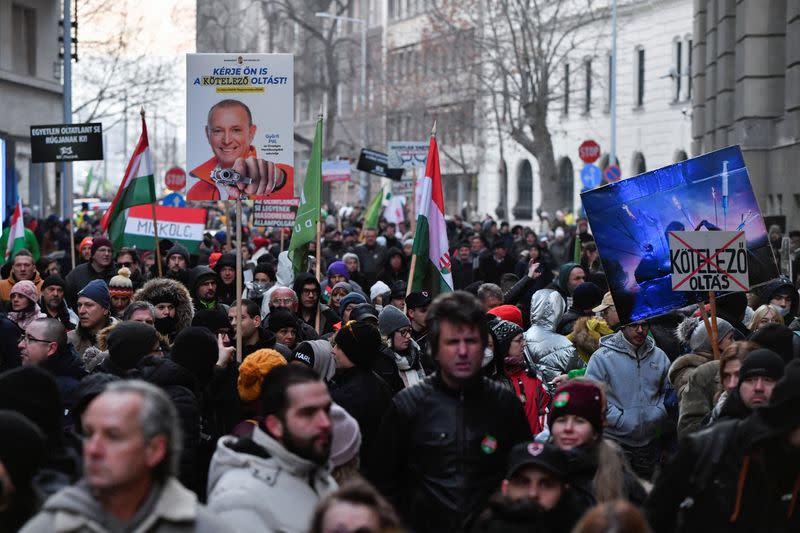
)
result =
(155, 289)
(490, 271)
(197, 274)
(636, 382)
(441, 452)
(80, 339)
(371, 259)
(181, 386)
(401, 371)
(735, 476)
(171, 509)
(328, 316)
(257, 485)
(266, 339)
(463, 274)
(531, 392)
(504, 515)
(365, 396)
(65, 315)
(80, 276)
(521, 292)
(7, 284)
(567, 322)
(683, 367)
(584, 462)
(697, 398)
(548, 352)
(586, 336)
(9, 338)
(67, 369)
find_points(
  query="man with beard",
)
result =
(53, 305)
(177, 259)
(273, 479)
(254, 337)
(129, 258)
(203, 286)
(173, 305)
(535, 494)
(99, 267)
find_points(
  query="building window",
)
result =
(566, 89)
(524, 207)
(639, 165)
(566, 183)
(587, 103)
(689, 69)
(23, 24)
(678, 74)
(639, 77)
(502, 206)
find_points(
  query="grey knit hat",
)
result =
(693, 332)
(391, 319)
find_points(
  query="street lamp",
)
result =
(363, 23)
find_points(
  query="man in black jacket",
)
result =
(442, 446)
(100, 266)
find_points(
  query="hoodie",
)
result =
(548, 352)
(168, 507)
(197, 275)
(328, 316)
(255, 484)
(160, 290)
(636, 383)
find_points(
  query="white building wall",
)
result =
(658, 129)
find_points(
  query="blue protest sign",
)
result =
(591, 176)
(632, 219)
(173, 200)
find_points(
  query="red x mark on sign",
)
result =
(708, 260)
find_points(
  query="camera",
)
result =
(229, 177)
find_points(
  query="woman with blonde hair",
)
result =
(618, 516)
(600, 471)
(765, 314)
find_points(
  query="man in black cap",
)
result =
(417, 303)
(177, 259)
(535, 494)
(740, 475)
(759, 372)
(100, 266)
(53, 304)
(283, 325)
(585, 298)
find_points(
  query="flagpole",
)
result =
(155, 224)
(239, 279)
(318, 266)
(414, 256)
(71, 219)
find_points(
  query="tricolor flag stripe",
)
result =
(16, 234)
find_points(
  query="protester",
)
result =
(635, 372)
(442, 486)
(24, 304)
(120, 287)
(54, 305)
(94, 314)
(585, 298)
(417, 303)
(618, 516)
(226, 285)
(765, 314)
(308, 290)
(129, 258)
(21, 454)
(22, 268)
(492, 266)
(98, 267)
(760, 370)
(357, 506)
(130, 453)
(253, 336)
(405, 367)
(549, 353)
(283, 325)
(570, 275)
(272, 480)
(172, 302)
(45, 344)
(692, 333)
(371, 256)
(284, 297)
(203, 288)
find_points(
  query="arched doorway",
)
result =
(680, 155)
(524, 206)
(638, 166)
(603, 164)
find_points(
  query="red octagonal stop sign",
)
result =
(175, 179)
(589, 151)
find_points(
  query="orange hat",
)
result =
(253, 370)
(87, 241)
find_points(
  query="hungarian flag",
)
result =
(304, 230)
(137, 188)
(373, 213)
(431, 250)
(16, 234)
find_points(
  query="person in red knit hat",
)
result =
(508, 312)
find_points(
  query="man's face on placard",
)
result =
(230, 134)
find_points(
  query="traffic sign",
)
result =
(612, 173)
(175, 179)
(589, 151)
(591, 176)
(173, 200)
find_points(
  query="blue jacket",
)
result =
(636, 382)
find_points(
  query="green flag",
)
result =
(373, 213)
(87, 185)
(308, 212)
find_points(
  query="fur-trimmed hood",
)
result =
(682, 368)
(184, 308)
(586, 335)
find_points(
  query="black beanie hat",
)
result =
(33, 392)
(21, 447)
(180, 250)
(586, 296)
(365, 312)
(783, 410)
(281, 318)
(761, 362)
(129, 342)
(195, 349)
(211, 319)
(777, 338)
(360, 342)
(54, 280)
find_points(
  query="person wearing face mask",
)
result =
(263, 280)
(781, 294)
(513, 374)
(173, 304)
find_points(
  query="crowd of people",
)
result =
(517, 402)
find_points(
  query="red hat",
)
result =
(213, 258)
(87, 241)
(508, 312)
(260, 242)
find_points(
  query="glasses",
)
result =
(309, 291)
(283, 301)
(126, 264)
(405, 332)
(27, 339)
(637, 327)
